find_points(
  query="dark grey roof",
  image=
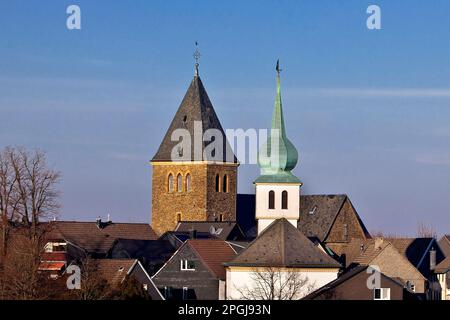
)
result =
(317, 214)
(343, 278)
(283, 245)
(221, 230)
(98, 238)
(195, 106)
(245, 214)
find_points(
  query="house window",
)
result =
(225, 183)
(187, 265)
(382, 294)
(185, 293)
(170, 183)
(180, 182)
(221, 217)
(188, 182)
(167, 292)
(271, 199)
(410, 286)
(55, 247)
(217, 183)
(284, 200)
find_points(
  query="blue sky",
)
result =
(369, 111)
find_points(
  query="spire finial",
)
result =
(278, 68)
(197, 56)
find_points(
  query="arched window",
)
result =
(217, 183)
(170, 183)
(284, 200)
(225, 183)
(271, 199)
(188, 182)
(180, 182)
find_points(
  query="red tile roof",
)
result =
(51, 266)
(214, 253)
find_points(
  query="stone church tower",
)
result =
(277, 189)
(191, 182)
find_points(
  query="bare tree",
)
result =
(28, 196)
(93, 286)
(272, 283)
(21, 277)
(426, 231)
(8, 199)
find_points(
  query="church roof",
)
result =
(196, 108)
(318, 213)
(283, 245)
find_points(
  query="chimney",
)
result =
(432, 259)
(193, 234)
(99, 222)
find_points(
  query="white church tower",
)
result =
(277, 189)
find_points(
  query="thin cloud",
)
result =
(386, 92)
(434, 159)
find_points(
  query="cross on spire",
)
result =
(196, 56)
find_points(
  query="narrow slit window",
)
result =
(225, 183)
(271, 199)
(170, 183)
(188, 183)
(217, 183)
(180, 182)
(284, 200)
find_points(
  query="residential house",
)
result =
(360, 284)
(115, 271)
(410, 259)
(444, 244)
(196, 271)
(442, 271)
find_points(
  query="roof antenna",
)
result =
(197, 56)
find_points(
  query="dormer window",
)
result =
(55, 247)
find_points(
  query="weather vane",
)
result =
(278, 67)
(197, 56)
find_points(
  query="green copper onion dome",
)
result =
(278, 156)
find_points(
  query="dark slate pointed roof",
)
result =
(195, 106)
(318, 212)
(283, 245)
